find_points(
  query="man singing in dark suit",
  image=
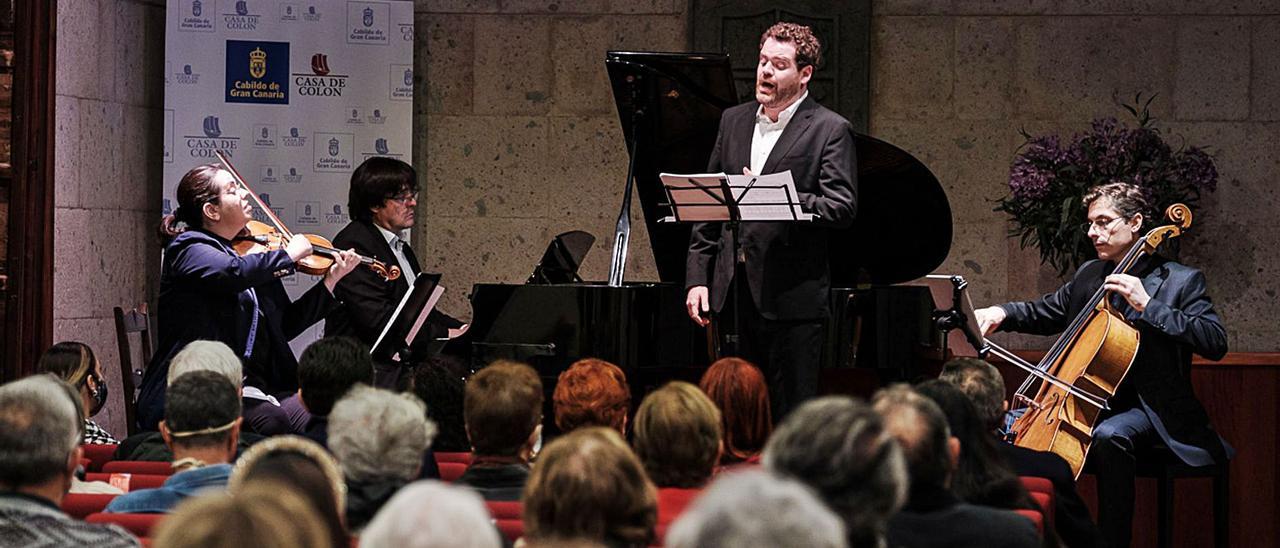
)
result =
(383, 195)
(780, 279)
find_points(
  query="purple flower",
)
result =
(1028, 182)
(1194, 168)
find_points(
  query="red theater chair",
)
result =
(128, 482)
(672, 502)
(464, 458)
(80, 505)
(98, 455)
(451, 471)
(507, 517)
(138, 524)
(1035, 518)
(155, 468)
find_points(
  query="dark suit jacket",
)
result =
(204, 296)
(786, 263)
(1178, 321)
(1071, 516)
(935, 517)
(368, 300)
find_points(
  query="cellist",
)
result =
(1168, 304)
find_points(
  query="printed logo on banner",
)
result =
(308, 213)
(213, 139)
(320, 83)
(381, 148)
(336, 216)
(311, 15)
(168, 136)
(242, 19)
(333, 151)
(355, 119)
(257, 72)
(187, 77)
(259, 215)
(376, 117)
(289, 12)
(269, 174)
(292, 177)
(367, 23)
(166, 207)
(168, 69)
(264, 136)
(295, 138)
(406, 31)
(401, 82)
(197, 16)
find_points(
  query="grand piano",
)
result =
(669, 105)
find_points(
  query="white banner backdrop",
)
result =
(298, 92)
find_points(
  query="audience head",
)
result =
(503, 410)
(982, 475)
(983, 385)
(592, 392)
(75, 363)
(202, 411)
(756, 508)
(430, 514)
(589, 486)
(40, 428)
(378, 435)
(737, 387)
(921, 429)
(677, 435)
(437, 383)
(328, 369)
(207, 356)
(839, 447)
(300, 465)
(266, 515)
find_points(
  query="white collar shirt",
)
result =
(766, 133)
(397, 249)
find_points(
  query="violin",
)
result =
(1084, 367)
(260, 237)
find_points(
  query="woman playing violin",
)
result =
(209, 292)
(1155, 404)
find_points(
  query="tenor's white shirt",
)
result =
(767, 132)
(395, 242)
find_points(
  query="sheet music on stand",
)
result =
(709, 197)
(400, 341)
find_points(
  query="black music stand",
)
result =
(405, 339)
(959, 315)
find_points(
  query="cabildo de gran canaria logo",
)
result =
(367, 23)
(203, 146)
(241, 19)
(333, 152)
(257, 72)
(320, 83)
(196, 16)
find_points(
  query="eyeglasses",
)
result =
(1102, 225)
(405, 198)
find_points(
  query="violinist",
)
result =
(1168, 305)
(210, 292)
(382, 202)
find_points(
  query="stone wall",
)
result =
(110, 98)
(953, 82)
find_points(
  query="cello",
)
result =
(261, 236)
(1085, 366)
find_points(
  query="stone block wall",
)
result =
(109, 103)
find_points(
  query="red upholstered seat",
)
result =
(98, 455)
(1046, 504)
(157, 468)
(79, 505)
(128, 482)
(1035, 518)
(672, 501)
(1043, 486)
(464, 458)
(507, 518)
(451, 471)
(138, 524)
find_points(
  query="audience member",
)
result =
(589, 489)
(266, 515)
(301, 465)
(757, 509)
(442, 389)
(378, 437)
(984, 386)
(327, 369)
(430, 514)
(75, 363)
(737, 387)
(838, 447)
(41, 425)
(677, 438)
(592, 392)
(201, 425)
(503, 411)
(934, 516)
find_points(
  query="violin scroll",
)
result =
(389, 274)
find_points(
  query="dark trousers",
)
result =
(1116, 442)
(788, 352)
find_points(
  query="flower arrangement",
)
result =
(1048, 179)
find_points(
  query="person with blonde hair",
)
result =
(678, 439)
(75, 363)
(267, 515)
(430, 514)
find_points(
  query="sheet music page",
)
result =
(426, 311)
(391, 319)
(767, 198)
(698, 196)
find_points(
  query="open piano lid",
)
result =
(670, 104)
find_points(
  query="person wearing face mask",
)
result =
(1169, 305)
(75, 363)
(780, 279)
